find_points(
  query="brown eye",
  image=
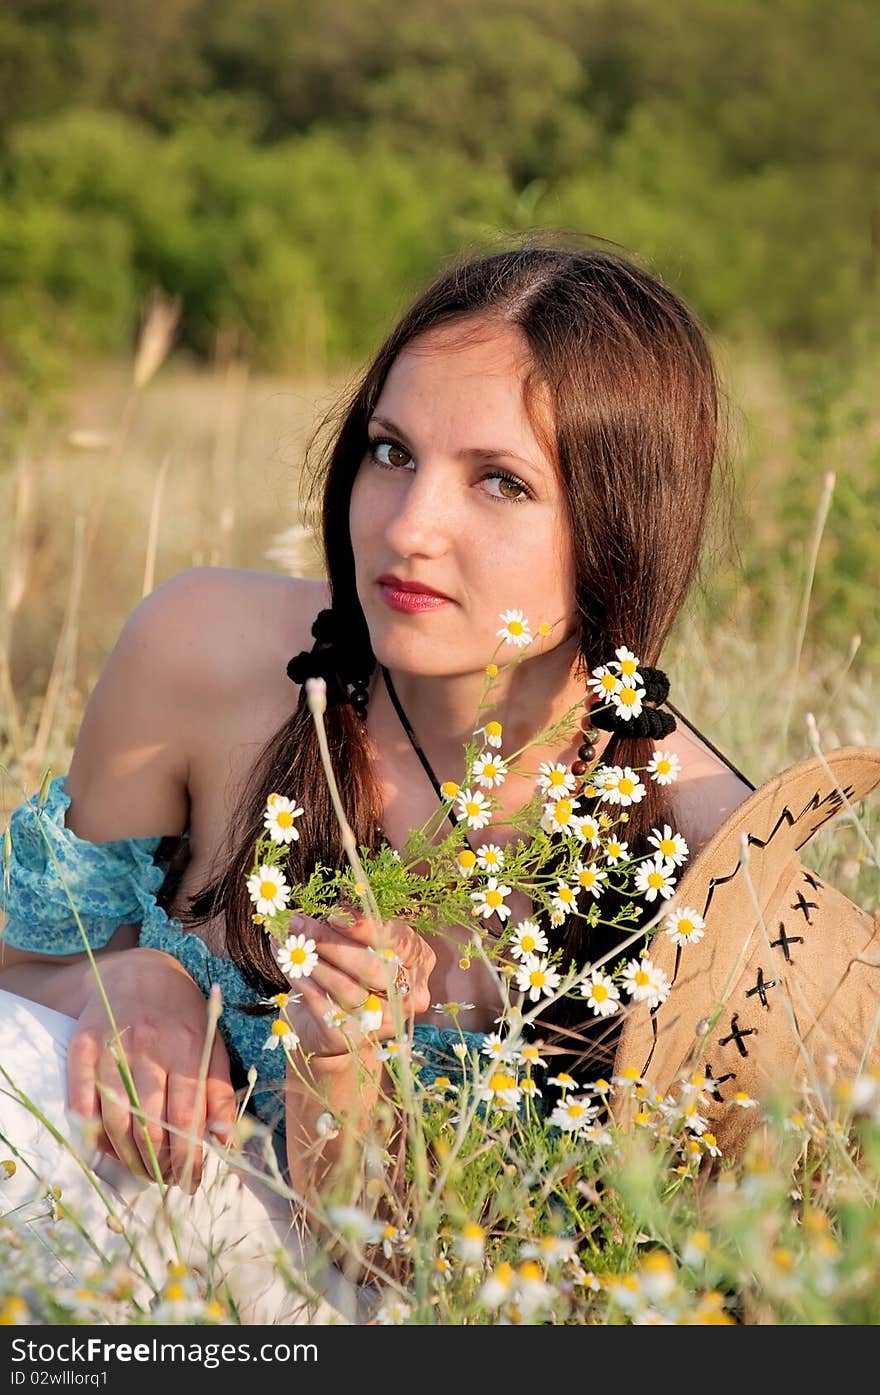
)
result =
(509, 488)
(392, 461)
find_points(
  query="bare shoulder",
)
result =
(203, 648)
(707, 790)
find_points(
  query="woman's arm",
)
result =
(128, 780)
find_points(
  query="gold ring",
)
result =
(401, 980)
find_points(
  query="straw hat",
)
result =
(784, 986)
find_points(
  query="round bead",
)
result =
(589, 730)
(579, 767)
(586, 753)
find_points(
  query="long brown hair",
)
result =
(635, 401)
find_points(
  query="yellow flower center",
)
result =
(531, 1272)
(667, 846)
(537, 978)
(491, 671)
(280, 1028)
(467, 859)
(298, 954)
(609, 682)
(449, 788)
(494, 898)
(628, 667)
(514, 627)
(656, 880)
(612, 849)
(527, 943)
(490, 770)
(501, 1081)
(493, 728)
(472, 808)
(284, 819)
(641, 978)
(587, 877)
(557, 777)
(599, 992)
(663, 766)
(626, 785)
(563, 810)
(574, 1110)
(565, 893)
(627, 696)
(372, 1004)
(269, 890)
(685, 927)
(471, 1231)
(490, 858)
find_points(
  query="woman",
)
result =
(538, 432)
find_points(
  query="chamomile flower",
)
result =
(557, 815)
(489, 770)
(603, 681)
(530, 1055)
(501, 1090)
(573, 1113)
(655, 878)
(670, 845)
(281, 1034)
(370, 1015)
(615, 851)
(627, 701)
(588, 830)
(620, 785)
(297, 957)
(514, 628)
(564, 898)
(528, 939)
(268, 890)
(684, 926)
(497, 1047)
(563, 1081)
(554, 780)
(492, 733)
(467, 862)
(474, 808)
(279, 818)
(645, 982)
(490, 857)
(602, 994)
(628, 666)
(470, 1242)
(537, 978)
(489, 900)
(664, 767)
(589, 878)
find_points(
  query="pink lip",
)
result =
(409, 597)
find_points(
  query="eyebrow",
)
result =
(473, 453)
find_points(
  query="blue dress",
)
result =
(58, 888)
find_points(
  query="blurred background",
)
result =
(213, 210)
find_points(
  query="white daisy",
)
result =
(281, 1034)
(489, 900)
(514, 628)
(655, 878)
(490, 857)
(684, 926)
(528, 938)
(563, 1081)
(628, 665)
(536, 977)
(502, 1090)
(467, 862)
(564, 899)
(496, 1046)
(645, 982)
(279, 817)
(474, 808)
(588, 830)
(601, 993)
(297, 957)
(664, 767)
(603, 682)
(489, 770)
(615, 851)
(669, 845)
(589, 878)
(268, 890)
(557, 815)
(555, 780)
(627, 701)
(620, 785)
(492, 732)
(573, 1113)
(370, 1015)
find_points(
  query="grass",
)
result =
(515, 1221)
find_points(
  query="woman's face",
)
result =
(458, 494)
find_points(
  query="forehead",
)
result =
(470, 380)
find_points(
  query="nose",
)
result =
(423, 522)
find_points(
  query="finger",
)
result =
(116, 1114)
(82, 1064)
(220, 1103)
(150, 1083)
(347, 992)
(186, 1120)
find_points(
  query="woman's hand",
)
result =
(357, 956)
(162, 1017)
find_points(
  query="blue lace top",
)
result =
(57, 882)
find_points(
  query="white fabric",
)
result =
(235, 1226)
